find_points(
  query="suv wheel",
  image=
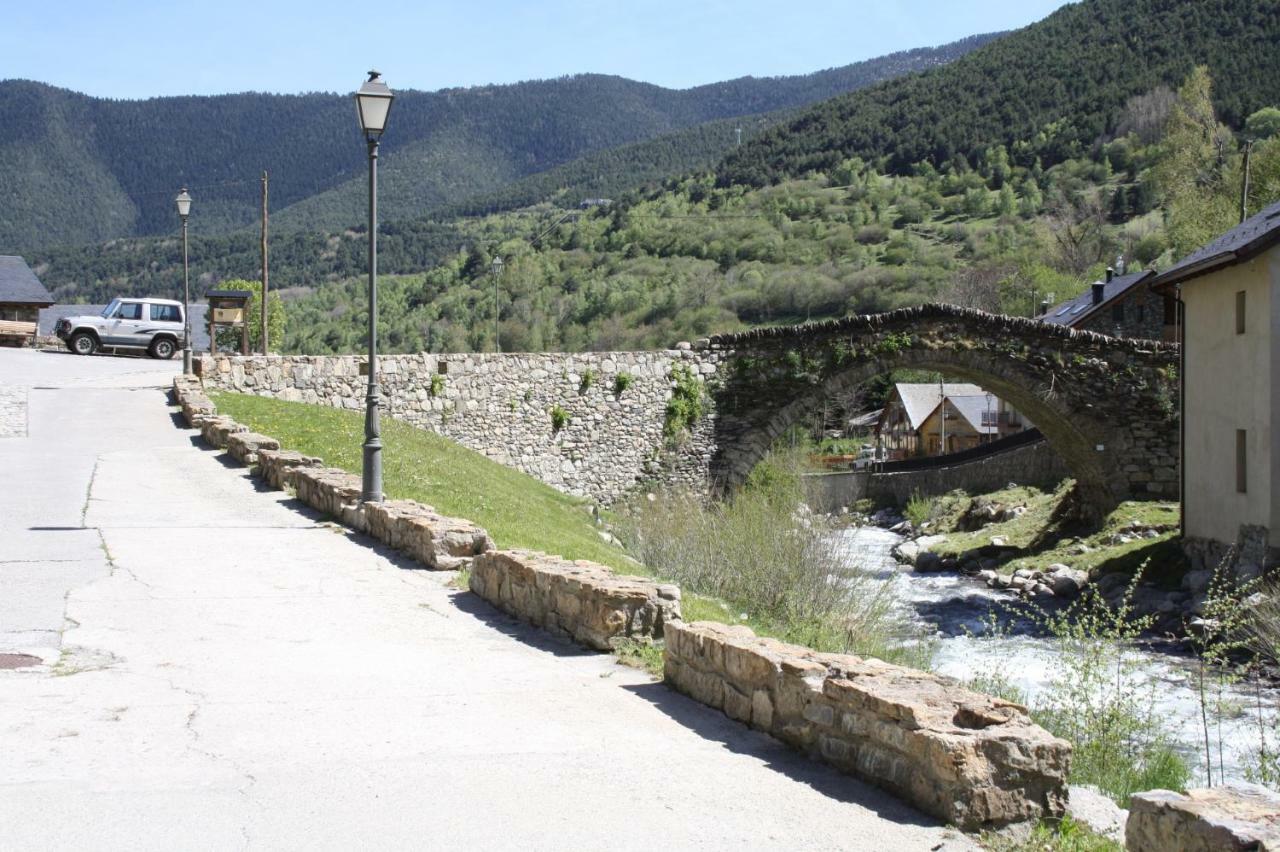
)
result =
(83, 343)
(163, 348)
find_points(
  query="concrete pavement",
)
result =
(225, 670)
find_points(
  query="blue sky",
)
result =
(137, 48)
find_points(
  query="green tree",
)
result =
(1194, 175)
(275, 317)
(1263, 124)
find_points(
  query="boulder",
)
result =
(1197, 582)
(1095, 810)
(1067, 582)
(1231, 818)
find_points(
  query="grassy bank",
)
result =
(1044, 539)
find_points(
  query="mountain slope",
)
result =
(76, 169)
(1057, 84)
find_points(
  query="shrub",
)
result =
(766, 555)
(919, 508)
(621, 382)
(587, 380)
(559, 418)
(686, 404)
(437, 385)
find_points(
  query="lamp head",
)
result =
(184, 204)
(373, 103)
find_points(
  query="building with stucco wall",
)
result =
(1230, 293)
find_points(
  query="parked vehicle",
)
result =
(151, 325)
(868, 456)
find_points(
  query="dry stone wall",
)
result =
(580, 600)
(1231, 818)
(501, 405)
(970, 759)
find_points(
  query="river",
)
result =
(954, 611)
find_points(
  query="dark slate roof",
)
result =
(1074, 311)
(18, 284)
(1252, 236)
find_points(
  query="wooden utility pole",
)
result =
(264, 262)
(1244, 184)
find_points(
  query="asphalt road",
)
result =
(222, 669)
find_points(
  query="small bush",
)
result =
(686, 405)
(587, 380)
(559, 418)
(621, 382)
(919, 509)
(437, 385)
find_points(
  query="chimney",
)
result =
(1111, 273)
(1044, 307)
(1098, 288)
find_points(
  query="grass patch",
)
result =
(516, 509)
(640, 655)
(1044, 539)
(1065, 835)
(462, 580)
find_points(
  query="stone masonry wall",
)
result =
(1034, 464)
(970, 759)
(500, 405)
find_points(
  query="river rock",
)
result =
(1091, 808)
(928, 561)
(1067, 582)
(1197, 582)
(1231, 818)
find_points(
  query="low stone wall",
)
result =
(500, 405)
(1233, 818)
(1036, 464)
(970, 759)
(434, 540)
(245, 446)
(584, 601)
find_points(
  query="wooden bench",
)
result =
(13, 328)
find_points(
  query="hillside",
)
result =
(76, 169)
(1053, 87)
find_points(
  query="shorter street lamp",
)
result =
(373, 103)
(497, 275)
(184, 210)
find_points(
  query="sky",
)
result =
(144, 48)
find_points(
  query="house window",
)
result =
(1242, 467)
(1240, 312)
(1117, 312)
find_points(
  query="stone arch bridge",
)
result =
(1107, 406)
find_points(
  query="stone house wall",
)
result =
(1142, 316)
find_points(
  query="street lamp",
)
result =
(497, 274)
(373, 102)
(184, 210)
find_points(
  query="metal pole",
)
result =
(372, 473)
(264, 262)
(186, 305)
(1244, 185)
(497, 343)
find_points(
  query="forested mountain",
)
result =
(1053, 88)
(76, 169)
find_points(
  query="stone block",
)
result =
(216, 430)
(245, 446)
(606, 606)
(437, 541)
(970, 759)
(274, 465)
(1232, 818)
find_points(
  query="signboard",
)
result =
(235, 315)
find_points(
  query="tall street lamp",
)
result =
(373, 102)
(497, 275)
(184, 210)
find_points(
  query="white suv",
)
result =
(153, 325)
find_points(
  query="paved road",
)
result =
(223, 670)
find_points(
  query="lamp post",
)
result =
(373, 102)
(497, 274)
(184, 210)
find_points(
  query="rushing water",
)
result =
(955, 611)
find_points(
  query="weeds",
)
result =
(639, 655)
(764, 554)
(919, 509)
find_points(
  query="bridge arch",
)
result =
(1108, 406)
